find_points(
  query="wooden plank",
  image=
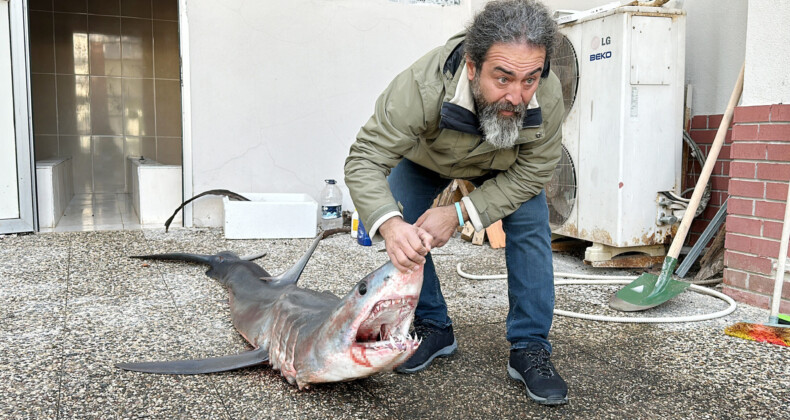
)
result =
(496, 235)
(462, 186)
(479, 237)
(712, 263)
(446, 197)
(467, 232)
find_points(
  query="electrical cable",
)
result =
(589, 279)
(678, 202)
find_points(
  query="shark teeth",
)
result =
(406, 303)
(386, 318)
(395, 342)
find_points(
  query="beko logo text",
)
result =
(601, 56)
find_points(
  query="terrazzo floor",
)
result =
(72, 304)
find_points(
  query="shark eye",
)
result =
(363, 288)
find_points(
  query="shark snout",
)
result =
(373, 321)
(402, 283)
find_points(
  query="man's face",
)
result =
(503, 87)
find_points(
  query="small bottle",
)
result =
(354, 224)
(331, 206)
(362, 235)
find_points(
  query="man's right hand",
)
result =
(407, 245)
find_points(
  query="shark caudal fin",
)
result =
(292, 275)
(197, 366)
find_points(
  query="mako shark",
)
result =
(309, 336)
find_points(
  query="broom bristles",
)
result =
(760, 332)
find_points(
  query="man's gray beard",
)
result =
(500, 131)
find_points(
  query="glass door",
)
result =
(16, 158)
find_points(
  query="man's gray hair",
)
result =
(509, 21)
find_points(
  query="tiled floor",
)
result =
(88, 212)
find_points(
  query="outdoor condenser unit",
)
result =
(622, 74)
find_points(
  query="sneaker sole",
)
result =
(515, 375)
(445, 352)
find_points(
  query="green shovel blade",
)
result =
(649, 290)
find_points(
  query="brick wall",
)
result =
(759, 171)
(703, 131)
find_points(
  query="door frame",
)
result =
(26, 165)
(186, 113)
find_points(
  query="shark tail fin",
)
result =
(197, 366)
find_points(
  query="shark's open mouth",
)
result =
(387, 325)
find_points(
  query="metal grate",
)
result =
(561, 191)
(566, 66)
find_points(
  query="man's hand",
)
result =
(440, 223)
(407, 245)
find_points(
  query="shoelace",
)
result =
(540, 361)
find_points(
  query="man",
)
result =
(484, 107)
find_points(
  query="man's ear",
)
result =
(470, 68)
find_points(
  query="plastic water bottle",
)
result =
(331, 206)
(354, 224)
(362, 235)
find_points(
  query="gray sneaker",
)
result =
(535, 370)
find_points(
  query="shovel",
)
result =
(649, 290)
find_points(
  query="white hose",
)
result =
(603, 280)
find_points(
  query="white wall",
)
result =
(280, 88)
(715, 48)
(767, 76)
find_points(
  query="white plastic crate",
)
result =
(270, 215)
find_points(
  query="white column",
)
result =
(9, 189)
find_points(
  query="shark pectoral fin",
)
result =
(193, 367)
(292, 275)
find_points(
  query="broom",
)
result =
(773, 332)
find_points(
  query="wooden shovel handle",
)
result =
(713, 155)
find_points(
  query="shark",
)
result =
(311, 337)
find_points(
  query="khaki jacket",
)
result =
(427, 115)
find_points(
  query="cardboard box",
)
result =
(269, 216)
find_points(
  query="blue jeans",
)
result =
(527, 252)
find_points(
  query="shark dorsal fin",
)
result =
(292, 275)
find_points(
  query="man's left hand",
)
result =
(440, 222)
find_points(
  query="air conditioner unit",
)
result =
(622, 74)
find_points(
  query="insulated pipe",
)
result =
(604, 280)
